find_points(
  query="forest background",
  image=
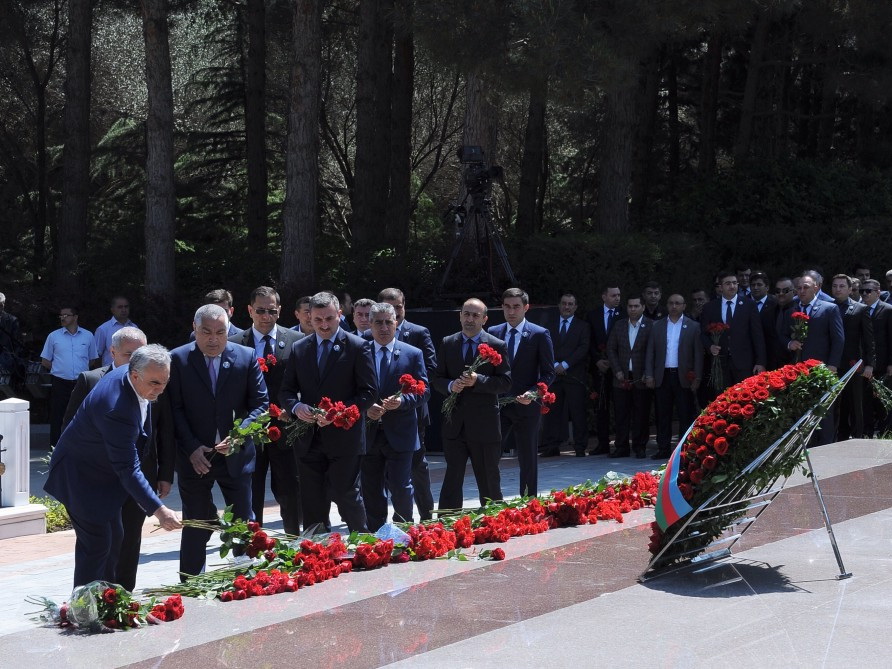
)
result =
(163, 148)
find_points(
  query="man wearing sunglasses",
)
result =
(273, 344)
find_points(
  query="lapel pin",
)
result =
(336, 347)
(281, 344)
(226, 364)
(525, 334)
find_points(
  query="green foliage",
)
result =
(56, 516)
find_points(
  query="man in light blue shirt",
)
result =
(67, 352)
(120, 308)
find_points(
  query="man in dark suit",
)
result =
(824, 341)
(768, 310)
(653, 293)
(212, 381)
(474, 429)
(273, 344)
(419, 337)
(626, 350)
(601, 321)
(156, 459)
(302, 314)
(392, 433)
(742, 347)
(335, 364)
(744, 275)
(880, 314)
(571, 337)
(531, 358)
(673, 367)
(223, 299)
(858, 345)
(96, 463)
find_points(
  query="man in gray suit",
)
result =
(673, 366)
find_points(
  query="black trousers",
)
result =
(281, 463)
(385, 469)
(604, 388)
(849, 408)
(569, 405)
(671, 398)
(322, 475)
(523, 423)
(60, 393)
(198, 503)
(96, 548)
(132, 520)
(421, 479)
(484, 456)
(632, 409)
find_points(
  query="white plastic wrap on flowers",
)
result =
(83, 607)
(391, 531)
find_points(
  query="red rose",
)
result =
(686, 490)
(273, 433)
(732, 430)
(748, 411)
(498, 554)
(709, 462)
(696, 476)
(720, 445)
(274, 411)
(110, 595)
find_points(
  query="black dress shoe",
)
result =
(662, 453)
(580, 454)
(621, 454)
(599, 451)
(549, 453)
(640, 454)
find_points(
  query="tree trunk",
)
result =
(673, 121)
(712, 68)
(528, 213)
(160, 227)
(301, 212)
(373, 84)
(617, 139)
(751, 88)
(400, 202)
(827, 118)
(644, 140)
(255, 124)
(72, 228)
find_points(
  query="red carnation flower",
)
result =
(274, 411)
(498, 554)
(273, 433)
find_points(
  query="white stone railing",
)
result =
(18, 516)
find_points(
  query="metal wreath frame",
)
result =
(740, 496)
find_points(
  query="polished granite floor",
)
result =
(565, 598)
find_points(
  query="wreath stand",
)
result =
(740, 502)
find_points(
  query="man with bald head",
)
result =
(474, 429)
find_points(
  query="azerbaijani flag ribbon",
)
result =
(670, 504)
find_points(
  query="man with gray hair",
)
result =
(211, 381)
(156, 460)
(392, 433)
(96, 463)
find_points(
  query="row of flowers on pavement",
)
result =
(282, 563)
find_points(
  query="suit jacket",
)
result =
(858, 332)
(574, 347)
(200, 414)
(825, 334)
(95, 465)
(882, 335)
(619, 352)
(285, 339)
(533, 363)
(478, 406)
(690, 352)
(348, 377)
(599, 335)
(745, 341)
(419, 337)
(158, 454)
(400, 425)
(768, 316)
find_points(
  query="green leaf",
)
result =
(718, 478)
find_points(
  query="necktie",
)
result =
(212, 372)
(469, 352)
(511, 340)
(805, 309)
(728, 313)
(761, 304)
(609, 319)
(382, 367)
(563, 328)
(267, 346)
(323, 353)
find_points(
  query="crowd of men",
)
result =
(621, 365)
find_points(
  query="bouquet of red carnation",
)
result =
(716, 377)
(540, 396)
(258, 429)
(267, 362)
(409, 385)
(799, 330)
(336, 413)
(485, 354)
(100, 607)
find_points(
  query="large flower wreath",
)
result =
(730, 433)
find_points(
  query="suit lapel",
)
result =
(197, 360)
(226, 360)
(337, 349)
